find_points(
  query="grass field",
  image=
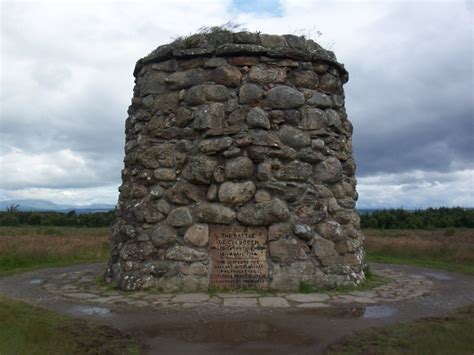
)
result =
(25, 329)
(437, 335)
(30, 248)
(28, 330)
(448, 249)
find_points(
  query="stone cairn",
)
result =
(238, 169)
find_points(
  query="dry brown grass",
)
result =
(25, 248)
(453, 246)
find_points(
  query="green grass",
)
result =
(371, 281)
(421, 261)
(25, 329)
(437, 335)
(449, 249)
(103, 285)
(199, 38)
(262, 292)
(30, 248)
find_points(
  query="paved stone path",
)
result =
(83, 285)
(230, 324)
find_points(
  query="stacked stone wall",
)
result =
(241, 130)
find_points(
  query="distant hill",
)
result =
(45, 205)
(373, 210)
(366, 210)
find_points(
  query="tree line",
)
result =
(430, 218)
(13, 217)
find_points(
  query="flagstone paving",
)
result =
(221, 323)
(83, 286)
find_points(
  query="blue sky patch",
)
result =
(272, 7)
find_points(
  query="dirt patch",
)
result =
(98, 339)
(230, 332)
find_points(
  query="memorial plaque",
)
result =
(238, 257)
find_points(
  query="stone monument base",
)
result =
(238, 169)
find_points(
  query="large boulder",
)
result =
(239, 168)
(236, 192)
(284, 97)
(163, 234)
(264, 213)
(213, 213)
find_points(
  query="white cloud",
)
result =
(66, 168)
(68, 196)
(417, 189)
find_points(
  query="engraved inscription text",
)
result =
(238, 257)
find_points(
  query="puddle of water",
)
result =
(36, 281)
(335, 312)
(91, 311)
(375, 312)
(231, 332)
(438, 275)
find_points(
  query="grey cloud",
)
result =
(410, 95)
(65, 95)
(435, 146)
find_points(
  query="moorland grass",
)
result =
(436, 335)
(449, 249)
(29, 248)
(25, 329)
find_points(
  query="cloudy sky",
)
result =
(66, 81)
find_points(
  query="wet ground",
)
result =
(205, 327)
